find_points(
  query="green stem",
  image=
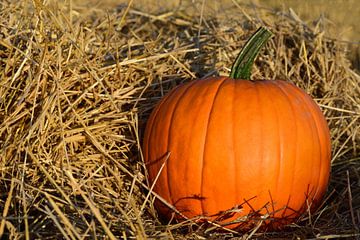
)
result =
(241, 68)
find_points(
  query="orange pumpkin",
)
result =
(235, 151)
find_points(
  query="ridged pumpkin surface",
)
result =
(223, 142)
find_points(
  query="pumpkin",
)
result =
(234, 151)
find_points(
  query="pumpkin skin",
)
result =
(229, 143)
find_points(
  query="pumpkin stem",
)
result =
(241, 68)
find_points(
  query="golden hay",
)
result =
(78, 83)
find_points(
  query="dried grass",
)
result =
(77, 85)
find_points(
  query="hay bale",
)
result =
(78, 83)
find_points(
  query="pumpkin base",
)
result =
(236, 220)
